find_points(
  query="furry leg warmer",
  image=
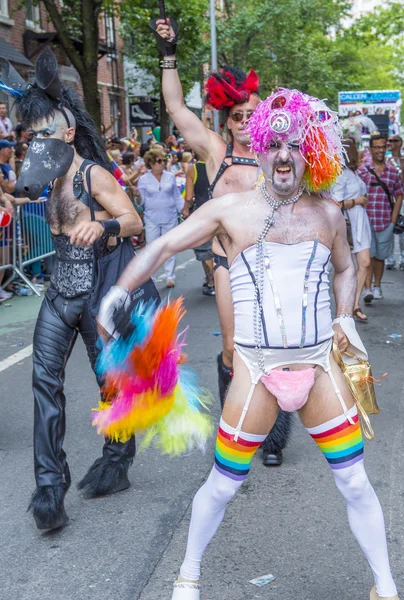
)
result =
(225, 375)
(278, 437)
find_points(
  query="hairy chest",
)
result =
(63, 210)
(306, 225)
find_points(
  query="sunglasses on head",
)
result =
(239, 115)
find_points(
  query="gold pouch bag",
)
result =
(359, 379)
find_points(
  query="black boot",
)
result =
(47, 505)
(109, 474)
(276, 440)
(225, 377)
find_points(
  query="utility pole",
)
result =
(214, 55)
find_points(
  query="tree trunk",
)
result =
(90, 10)
(92, 97)
(87, 64)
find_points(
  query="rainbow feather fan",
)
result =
(148, 389)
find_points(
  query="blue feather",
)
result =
(114, 354)
(9, 90)
(190, 387)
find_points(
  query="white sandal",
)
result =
(186, 590)
(374, 596)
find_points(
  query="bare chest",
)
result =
(288, 229)
(235, 178)
(63, 210)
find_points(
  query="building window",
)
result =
(32, 15)
(4, 8)
(110, 35)
(114, 102)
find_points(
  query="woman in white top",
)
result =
(350, 191)
(162, 203)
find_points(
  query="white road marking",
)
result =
(15, 358)
(25, 352)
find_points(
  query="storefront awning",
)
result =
(13, 55)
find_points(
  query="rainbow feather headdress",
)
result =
(147, 386)
(294, 117)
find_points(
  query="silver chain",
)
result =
(260, 267)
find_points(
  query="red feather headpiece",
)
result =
(223, 90)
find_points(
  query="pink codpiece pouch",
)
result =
(290, 388)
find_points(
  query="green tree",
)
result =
(308, 44)
(287, 42)
(77, 25)
(142, 48)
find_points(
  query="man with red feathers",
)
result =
(230, 168)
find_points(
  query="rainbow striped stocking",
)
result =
(342, 445)
(232, 464)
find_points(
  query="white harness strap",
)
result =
(243, 414)
(340, 397)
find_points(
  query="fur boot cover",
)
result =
(47, 506)
(106, 477)
(279, 435)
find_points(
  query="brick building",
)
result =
(24, 32)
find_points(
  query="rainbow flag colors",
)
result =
(148, 389)
(342, 445)
(116, 169)
(233, 459)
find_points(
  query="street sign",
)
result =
(141, 114)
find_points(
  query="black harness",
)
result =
(235, 160)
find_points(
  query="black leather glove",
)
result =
(167, 48)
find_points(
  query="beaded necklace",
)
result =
(260, 266)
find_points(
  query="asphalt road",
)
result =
(290, 522)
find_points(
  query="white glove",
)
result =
(116, 300)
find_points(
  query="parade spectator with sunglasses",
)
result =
(396, 160)
(162, 203)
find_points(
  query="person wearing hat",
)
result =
(6, 154)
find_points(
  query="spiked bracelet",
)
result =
(168, 64)
(112, 227)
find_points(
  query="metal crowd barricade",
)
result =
(7, 249)
(27, 240)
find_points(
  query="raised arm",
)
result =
(197, 136)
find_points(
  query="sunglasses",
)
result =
(393, 141)
(159, 161)
(239, 115)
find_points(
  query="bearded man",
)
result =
(230, 168)
(86, 210)
(280, 240)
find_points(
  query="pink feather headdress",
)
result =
(291, 116)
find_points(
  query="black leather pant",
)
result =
(59, 322)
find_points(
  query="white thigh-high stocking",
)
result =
(232, 463)
(342, 445)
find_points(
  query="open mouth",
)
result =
(284, 170)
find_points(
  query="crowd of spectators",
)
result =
(153, 175)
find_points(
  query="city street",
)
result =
(288, 521)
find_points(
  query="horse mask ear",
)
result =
(47, 75)
(10, 78)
